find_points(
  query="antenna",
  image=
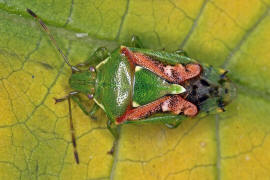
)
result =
(52, 39)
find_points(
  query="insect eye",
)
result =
(92, 69)
(90, 96)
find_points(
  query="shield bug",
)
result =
(137, 85)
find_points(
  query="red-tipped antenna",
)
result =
(52, 39)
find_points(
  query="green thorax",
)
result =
(113, 90)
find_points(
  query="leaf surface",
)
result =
(35, 137)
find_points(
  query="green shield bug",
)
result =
(137, 85)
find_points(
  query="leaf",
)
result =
(35, 137)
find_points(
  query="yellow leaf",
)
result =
(35, 136)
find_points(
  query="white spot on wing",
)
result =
(165, 106)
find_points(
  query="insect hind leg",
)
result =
(115, 132)
(173, 125)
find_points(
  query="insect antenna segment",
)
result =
(52, 39)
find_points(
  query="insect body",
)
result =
(137, 85)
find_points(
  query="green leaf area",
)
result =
(34, 132)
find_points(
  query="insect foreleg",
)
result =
(57, 100)
(99, 55)
(90, 113)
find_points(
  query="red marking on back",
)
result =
(175, 104)
(126, 52)
(175, 74)
(142, 111)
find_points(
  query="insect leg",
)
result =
(136, 42)
(93, 110)
(181, 52)
(223, 74)
(175, 125)
(113, 130)
(57, 100)
(76, 156)
(99, 55)
(83, 108)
